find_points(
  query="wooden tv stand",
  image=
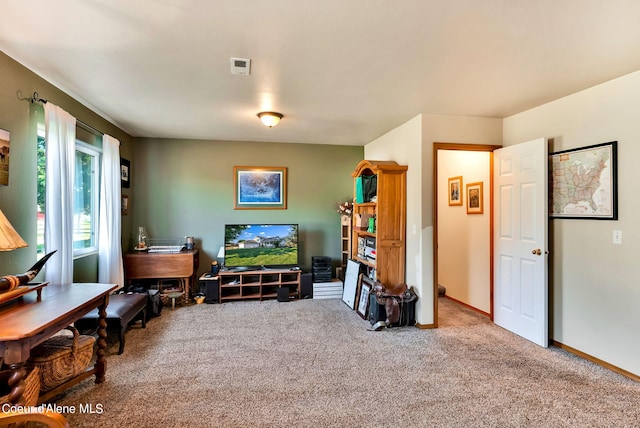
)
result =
(258, 284)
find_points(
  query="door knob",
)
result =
(536, 252)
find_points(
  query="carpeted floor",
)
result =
(314, 363)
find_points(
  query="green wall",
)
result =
(20, 117)
(178, 187)
(185, 188)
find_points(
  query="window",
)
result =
(85, 198)
(40, 203)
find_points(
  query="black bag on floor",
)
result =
(154, 303)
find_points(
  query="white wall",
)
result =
(403, 145)
(594, 289)
(464, 239)
(411, 144)
(445, 129)
(594, 296)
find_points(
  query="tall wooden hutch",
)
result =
(389, 211)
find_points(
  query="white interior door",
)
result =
(520, 240)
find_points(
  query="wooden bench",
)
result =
(121, 310)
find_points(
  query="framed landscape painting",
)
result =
(260, 188)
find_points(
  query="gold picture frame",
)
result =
(260, 187)
(124, 205)
(475, 201)
(5, 142)
(455, 190)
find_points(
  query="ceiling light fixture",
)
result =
(270, 118)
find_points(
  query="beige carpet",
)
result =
(313, 363)
(453, 314)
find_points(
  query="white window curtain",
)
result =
(110, 268)
(60, 134)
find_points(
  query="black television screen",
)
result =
(260, 245)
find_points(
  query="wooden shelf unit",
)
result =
(258, 284)
(389, 210)
(345, 227)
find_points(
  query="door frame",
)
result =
(469, 148)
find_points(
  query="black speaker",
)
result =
(321, 261)
(211, 289)
(306, 286)
(283, 294)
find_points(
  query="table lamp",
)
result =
(11, 240)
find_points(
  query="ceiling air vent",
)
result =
(241, 66)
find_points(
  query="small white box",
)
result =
(327, 290)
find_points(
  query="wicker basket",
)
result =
(60, 358)
(32, 386)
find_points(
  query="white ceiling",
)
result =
(341, 71)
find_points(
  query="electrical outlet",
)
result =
(617, 237)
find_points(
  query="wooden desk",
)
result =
(181, 266)
(28, 321)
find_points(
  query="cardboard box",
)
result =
(361, 221)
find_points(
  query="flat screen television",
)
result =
(252, 246)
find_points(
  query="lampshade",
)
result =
(221, 253)
(270, 118)
(9, 238)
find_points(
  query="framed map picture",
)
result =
(583, 182)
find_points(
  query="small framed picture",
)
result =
(455, 191)
(5, 138)
(125, 166)
(474, 198)
(124, 205)
(363, 302)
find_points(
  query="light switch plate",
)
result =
(617, 237)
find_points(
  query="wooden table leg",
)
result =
(186, 286)
(17, 384)
(101, 360)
